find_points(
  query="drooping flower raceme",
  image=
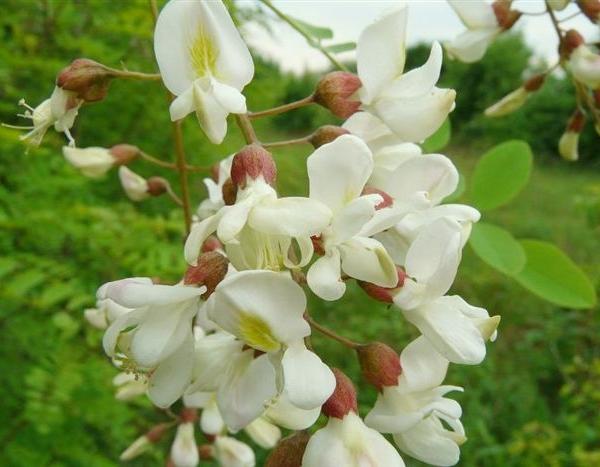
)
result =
(204, 62)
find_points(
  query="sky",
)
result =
(429, 20)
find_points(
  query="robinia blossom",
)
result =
(134, 185)
(230, 452)
(91, 162)
(204, 62)
(184, 452)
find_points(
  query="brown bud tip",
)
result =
(210, 270)
(253, 162)
(155, 434)
(326, 134)
(505, 17)
(335, 92)
(289, 451)
(124, 153)
(229, 192)
(590, 8)
(571, 41)
(384, 294)
(212, 243)
(214, 172)
(317, 242)
(188, 415)
(380, 364)
(576, 122)
(343, 399)
(534, 83)
(206, 451)
(387, 199)
(157, 186)
(87, 78)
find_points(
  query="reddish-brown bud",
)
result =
(591, 9)
(505, 17)
(380, 364)
(335, 91)
(576, 122)
(387, 199)
(326, 134)
(289, 451)
(571, 41)
(229, 192)
(87, 78)
(188, 415)
(157, 186)
(155, 434)
(252, 162)
(206, 451)
(212, 243)
(210, 271)
(317, 242)
(384, 294)
(534, 83)
(124, 153)
(214, 172)
(343, 400)
(597, 97)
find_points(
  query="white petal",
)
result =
(367, 127)
(324, 276)
(133, 293)
(474, 15)
(211, 115)
(211, 420)
(338, 171)
(308, 381)
(287, 415)
(230, 452)
(471, 45)
(352, 218)
(92, 162)
(229, 97)
(422, 366)
(381, 51)
(263, 433)
(184, 452)
(200, 232)
(294, 217)
(182, 105)
(233, 219)
(365, 259)
(111, 336)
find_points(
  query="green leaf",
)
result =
(498, 248)
(552, 275)
(339, 48)
(439, 139)
(501, 174)
(316, 32)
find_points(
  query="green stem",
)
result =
(246, 127)
(287, 142)
(329, 333)
(283, 108)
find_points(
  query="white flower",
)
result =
(259, 229)
(156, 334)
(204, 62)
(414, 409)
(129, 386)
(214, 202)
(106, 312)
(409, 104)
(482, 28)
(230, 452)
(338, 172)
(134, 185)
(184, 451)
(59, 111)
(585, 66)
(349, 442)
(92, 162)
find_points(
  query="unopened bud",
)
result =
(251, 163)
(209, 271)
(335, 91)
(380, 364)
(87, 78)
(343, 400)
(157, 186)
(229, 192)
(188, 415)
(206, 451)
(571, 41)
(568, 145)
(387, 200)
(135, 186)
(535, 82)
(505, 16)
(326, 134)
(318, 246)
(289, 451)
(384, 294)
(124, 153)
(157, 432)
(212, 243)
(591, 9)
(141, 445)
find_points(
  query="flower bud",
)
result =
(289, 451)
(568, 145)
(317, 242)
(209, 271)
(188, 415)
(206, 451)
(92, 162)
(505, 17)
(572, 40)
(87, 78)
(535, 82)
(384, 294)
(251, 163)
(157, 186)
(124, 153)
(387, 199)
(141, 445)
(335, 92)
(230, 452)
(591, 9)
(184, 452)
(326, 134)
(212, 243)
(229, 192)
(343, 400)
(135, 186)
(380, 364)
(508, 104)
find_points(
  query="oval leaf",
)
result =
(498, 248)
(316, 32)
(550, 274)
(501, 174)
(439, 139)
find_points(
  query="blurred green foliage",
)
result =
(534, 400)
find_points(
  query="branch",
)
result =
(246, 127)
(329, 333)
(283, 108)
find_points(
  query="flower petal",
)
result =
(200, 232)
(324, 276)
(287, 415)
(365, 259)
(352, 218)
(474, 15)
(471, 45)
(422, 366)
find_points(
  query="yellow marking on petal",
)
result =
(203, 54)
(257, 333)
